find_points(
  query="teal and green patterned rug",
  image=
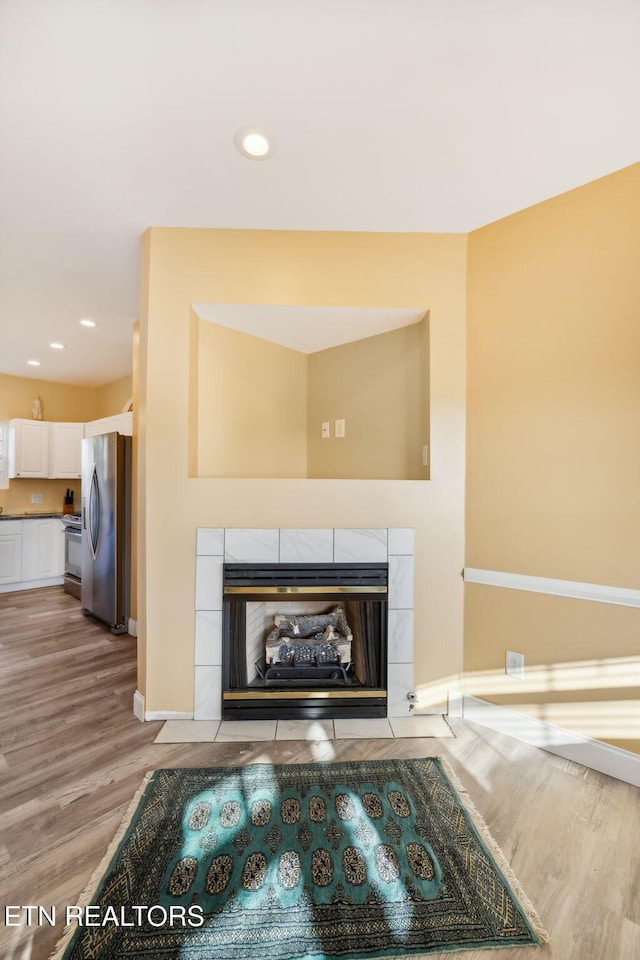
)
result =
(380, 858)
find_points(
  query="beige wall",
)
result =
(140, 377)
(257, 407)
(375, 386)
(425, 395)
(61, 402)
(133, 586)
(553, 445)
(251, 413)
(17, 499)
(335, 269)
(113, 397)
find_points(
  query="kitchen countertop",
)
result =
(30, 516)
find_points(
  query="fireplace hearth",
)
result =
(304, 640)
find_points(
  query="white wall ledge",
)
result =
(622, 596)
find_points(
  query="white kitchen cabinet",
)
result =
(28, 448)
(95, 427)
(31, 553)
(41, 550)
(65, 450)
(126, 424)
(119, 423)
(10, 551)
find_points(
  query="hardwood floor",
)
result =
(72, 756)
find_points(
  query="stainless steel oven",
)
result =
(72, 554)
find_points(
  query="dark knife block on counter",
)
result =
(67, 506)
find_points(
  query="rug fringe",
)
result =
(503, 864)
(86, 897)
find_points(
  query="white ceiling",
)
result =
(390, 115)
(307, 329)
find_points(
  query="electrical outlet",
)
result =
(514, 665)
(36, 498)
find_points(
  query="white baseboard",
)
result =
(142, 714)
(455, 704)
(132, 628)
(615, 762)
(30, 584)
(138, 706)
(167, 715)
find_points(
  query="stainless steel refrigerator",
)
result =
(106, 528)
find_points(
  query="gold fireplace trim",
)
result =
(272, 590)
(302, 694)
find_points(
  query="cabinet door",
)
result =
(10, 551)
(41, 549)
(65, 450)
(28, 448)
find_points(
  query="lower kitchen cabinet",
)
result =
(41, 549)
(30, 551)
(10, 551)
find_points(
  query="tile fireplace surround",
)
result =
(215, 546)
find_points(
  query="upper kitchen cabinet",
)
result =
(65, 450)
(119, 423)
(42, 449)
(28, 448)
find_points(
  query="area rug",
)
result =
(354, 860)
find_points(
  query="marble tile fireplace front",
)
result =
(392, 547)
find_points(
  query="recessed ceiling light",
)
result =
(33, 363)
(88, 323)
(57, 346)
(254, 144)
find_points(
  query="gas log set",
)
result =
(308, 649)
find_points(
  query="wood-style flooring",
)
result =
(72, 756)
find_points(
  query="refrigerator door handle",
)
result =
(94, 513)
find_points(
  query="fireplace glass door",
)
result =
(304, 640)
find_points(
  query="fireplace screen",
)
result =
(288, 653)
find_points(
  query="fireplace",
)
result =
(217, 547)
(304, 640)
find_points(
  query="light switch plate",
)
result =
(326, 430)
(339, 428)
